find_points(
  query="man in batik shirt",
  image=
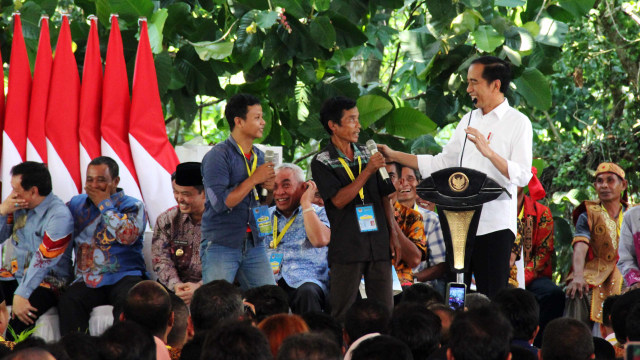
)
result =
(176, 236)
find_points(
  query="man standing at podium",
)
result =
(503, 150)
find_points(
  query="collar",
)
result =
(115, 197)
(235, 147)
(296, 211)
(500, 110)
(184, 218)
(337, 153)
(44, 205)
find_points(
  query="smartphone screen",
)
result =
(632, 351)
(455, 295)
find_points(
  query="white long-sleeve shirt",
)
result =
(510, 136)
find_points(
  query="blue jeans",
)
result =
(248, 264)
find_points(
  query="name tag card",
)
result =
(366, 218)
(263, 221)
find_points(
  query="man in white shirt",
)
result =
(503, 150)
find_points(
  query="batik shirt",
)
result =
(410, 222)
(301, 261)
(37, 251)
(108, 238)
(176, 249)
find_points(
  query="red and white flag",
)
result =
(152, 153)
(90, 102)
(36, 140)
(14, 144)
(61, 122)
(114, 126)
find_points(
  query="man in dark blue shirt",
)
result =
(233, 224)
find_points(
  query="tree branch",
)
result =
(172, 117)
(305, 156)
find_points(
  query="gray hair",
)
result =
(297, 170)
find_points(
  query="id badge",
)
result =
(276, 261)
(263, 221)
(366, 218)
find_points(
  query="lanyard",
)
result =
(348, 170)
(253, 168)
(276, 237)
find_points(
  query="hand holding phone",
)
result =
(455, 296)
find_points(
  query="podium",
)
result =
(459, 194)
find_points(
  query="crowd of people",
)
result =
(257, 262)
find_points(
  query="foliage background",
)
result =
(574, 63)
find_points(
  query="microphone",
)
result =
(269, 156)
(474, 101)
(371, 145)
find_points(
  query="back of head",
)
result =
(33, 174)
(112, 165)
(80, 346)
(280, 326)
(178, 334)
(268, 300)
(332, 110)
(237, 107)
(325, 324)
(416, 326)
(446, 315)
(365, 317)
(495, 69)
(213, 303)
(382, 347)
(148, 304)
(620, 313)
(603, 350)
(566, 339)
(633, 324)
(421, 293)
(607, 308)
(127, 340)
(521, 353)
(235, 340)
(482, 333)
(522, 310)
(308, 346)
(476, 300)
(34, 353)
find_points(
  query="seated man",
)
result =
(108, 235)
(176, 236)
(595, 246)
(38, 228)
(567, 339)
(482, 333)
(630, 248)
(298, 246)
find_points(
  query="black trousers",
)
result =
(490, 262)
(41, 298)
(78, 301)
(307, 297)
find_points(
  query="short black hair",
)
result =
(178, 333)
(633, 324)
(126, 340)
(80, 346)
(313, 346)
(238, 106)
(333, 108)
(324, 323)
(382, 347)
(607, 307)
(236, 340)
(114, 170)
(416, 326)
(566, 339)
(603, 349)
(495, 69)
(268, 300)
(33, 174)
(422, 293)
(148, 304)
(365, 317)
(481, 333)
(620, 312)
(522, 310)
(213, 303)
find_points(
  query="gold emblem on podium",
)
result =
(458, 182)
(179, 252)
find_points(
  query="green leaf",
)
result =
(577, 7)
(164, 68)
(487, 38)
(156, 25)
(426, 144)
(186, 107)
(534, 88)
(510, 3)
(513, 55)
(419, 44)
(562, 231)
(409, 122)
(347, 33)
(312, 128)
(466, 21)
(128, 10)
(323, 32)
(321, 5)
(532, 27)
(560, 14)
(372, 108)
(292, 7)
(552, 32)
(266, 19)
(208, 50)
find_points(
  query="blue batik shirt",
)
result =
(108, 238)
(36, 251)
(301, 261)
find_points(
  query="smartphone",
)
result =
(455, 296)
(632, 350)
